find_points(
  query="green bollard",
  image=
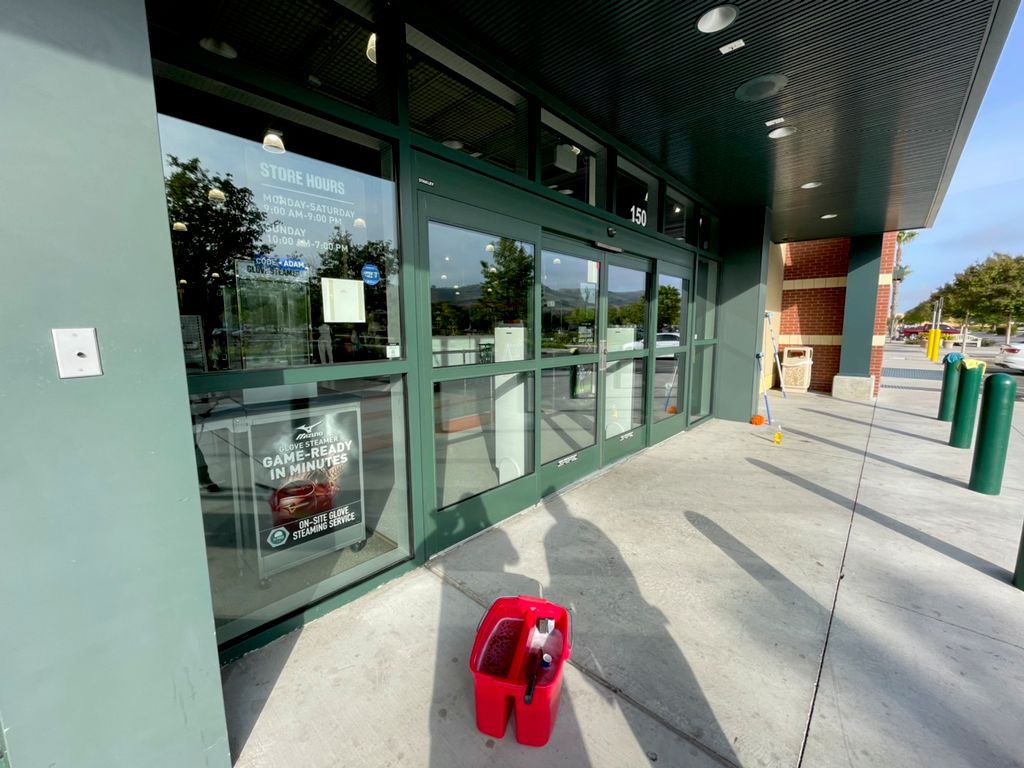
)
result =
(993, 434)
(966, 412)
(950, 386)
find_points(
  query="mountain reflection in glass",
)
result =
(480, 297)
(568, 304)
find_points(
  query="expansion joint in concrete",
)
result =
(835, 594)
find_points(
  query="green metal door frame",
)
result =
(619, 446)
(661, 430)
(449, 525)
(454, 196)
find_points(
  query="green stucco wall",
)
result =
(742, 290)
(859, 311)
(108, 652)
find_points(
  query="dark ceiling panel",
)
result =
(877, 91)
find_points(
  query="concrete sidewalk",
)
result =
(841, 599)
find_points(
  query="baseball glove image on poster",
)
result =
(307, 483)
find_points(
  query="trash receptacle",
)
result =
(796, 368)
(520, 648)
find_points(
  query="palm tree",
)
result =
(899, 272)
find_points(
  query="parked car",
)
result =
(1010, 356)
(912, 332)
(664, 339)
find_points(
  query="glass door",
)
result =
(623, 372)
(479, 325)
(570, 279)
(672, 341)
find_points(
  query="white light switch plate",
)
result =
(78, 352)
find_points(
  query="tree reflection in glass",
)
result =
(480, 296)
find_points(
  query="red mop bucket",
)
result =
(517, 663)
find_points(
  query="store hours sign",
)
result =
(307, 484)
(306, 201)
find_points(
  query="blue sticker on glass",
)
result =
(371, 275)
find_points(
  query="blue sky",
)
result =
(984, 207)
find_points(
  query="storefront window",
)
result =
(707, 235)
(316, 44)
(636, 195)
(568, 402)
(701, 379)
(480, 296)
(673, 298)
(304, 491)
(484, 434)
(281, 259)
(627, 308)
(457, 104)
(680, 217)
(669, 390)
(569, 159)
(706, 300)
(568, 304)
(624, 397)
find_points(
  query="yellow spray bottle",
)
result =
(777, 439)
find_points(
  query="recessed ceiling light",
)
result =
(776, 121)
(575, 150)
(476, 154)
(314, 80)
(371, 48)
(761, 87)
(677, 209)
(556, 260)
(717, 19)
(273, 142)
(216, 196)
(735, 45)
(444, 277)
(359, 223)
(179, 226)
(829, 215)
(219, 47)
(453, 144)
(565, 191)
(490, 248)
(781, 133)
(811, 185)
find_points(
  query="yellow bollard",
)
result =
(934, 343)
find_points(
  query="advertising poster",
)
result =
(307, 484)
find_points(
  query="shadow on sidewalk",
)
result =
(875, 425)
(452, 706)
(243, 705)
(621, 639)
(877, 457)
(938, 545)
(918, 694)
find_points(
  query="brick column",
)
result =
(882, 307)
(813, 302)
